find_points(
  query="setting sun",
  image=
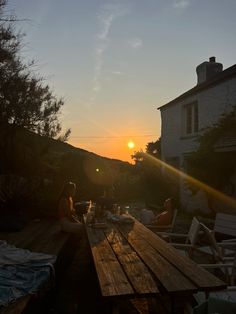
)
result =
(131, 144)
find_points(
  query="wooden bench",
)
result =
(42, 236)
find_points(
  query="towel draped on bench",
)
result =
(23, 272)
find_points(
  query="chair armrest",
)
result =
(171, 234)
(154, 227)
(181, 245)
(228, 258)
(229, 240)
(226, 244)
(217, 265)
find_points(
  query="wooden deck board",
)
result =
(136, 271)
(113, 281)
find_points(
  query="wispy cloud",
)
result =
(99, 51)
(106, 22)
(181, 4)
(117, 73)
(136, 43)
(106, 16)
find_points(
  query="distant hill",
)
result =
(23, 150)
(45, 164)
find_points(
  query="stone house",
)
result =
(184, 117)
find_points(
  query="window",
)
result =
(190, 113)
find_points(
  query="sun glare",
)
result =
(211, 191)
(131, 144)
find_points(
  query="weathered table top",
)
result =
(131, 260)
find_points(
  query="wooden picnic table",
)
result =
(132, 261)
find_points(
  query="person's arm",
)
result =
(155, 219)
(66, 209)
(163, 219)
(63, 208)
(72, 212)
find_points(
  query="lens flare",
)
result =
(179, 174)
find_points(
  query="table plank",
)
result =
(200, 277)
(135, 269)
(170, 277)
(112, 280)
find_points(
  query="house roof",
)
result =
(222, 76)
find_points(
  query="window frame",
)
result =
(190, 119)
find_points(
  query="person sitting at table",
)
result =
(67, 215)
(146, 216)
(165, 217)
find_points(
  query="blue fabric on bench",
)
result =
(23, 272)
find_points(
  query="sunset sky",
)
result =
(115, 62)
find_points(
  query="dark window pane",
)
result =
(174, 162)
(196, 117)
(189, 119)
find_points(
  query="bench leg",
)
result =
(115, 308)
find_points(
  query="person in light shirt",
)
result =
(146, 216)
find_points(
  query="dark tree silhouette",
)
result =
(154, 148)
(25, 100)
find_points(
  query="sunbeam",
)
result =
(178, 173)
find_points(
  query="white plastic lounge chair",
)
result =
(190, 238)
(226, 264)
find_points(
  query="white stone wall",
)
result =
(215, 101)
(212, 103)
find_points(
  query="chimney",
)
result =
(208, 69)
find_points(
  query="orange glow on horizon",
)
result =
(115, 148)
